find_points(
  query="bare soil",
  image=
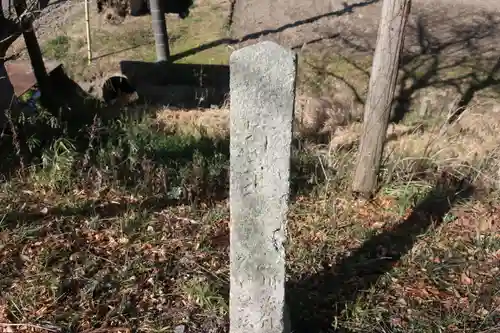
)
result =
(294, 23)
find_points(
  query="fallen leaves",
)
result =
(117, 268)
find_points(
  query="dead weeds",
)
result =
(123, 264)
(109, 249)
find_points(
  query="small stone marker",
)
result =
(262, 88)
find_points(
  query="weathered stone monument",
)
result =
(262, 88)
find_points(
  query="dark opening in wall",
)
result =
(116, 86)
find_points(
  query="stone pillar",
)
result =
(262, 89)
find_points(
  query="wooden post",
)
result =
(160, 30)
(380, 94)
(87, 23)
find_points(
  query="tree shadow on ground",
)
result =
(29, 130)
(457, 61)
(315, 301)
(456, 58)
(348, 9)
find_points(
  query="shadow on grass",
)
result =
(121, 51)
(315, 301)
(171, 170)
(348, 9)
(179, 85)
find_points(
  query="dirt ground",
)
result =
(294, 23)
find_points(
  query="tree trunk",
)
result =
(35, 55)
(380, 94)
(8, 34)
(159, 30)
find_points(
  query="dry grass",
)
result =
(472, 138)
(213, 123)
(314, 117)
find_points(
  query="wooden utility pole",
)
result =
(34, 52)
(159, 30)
(380, 94)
